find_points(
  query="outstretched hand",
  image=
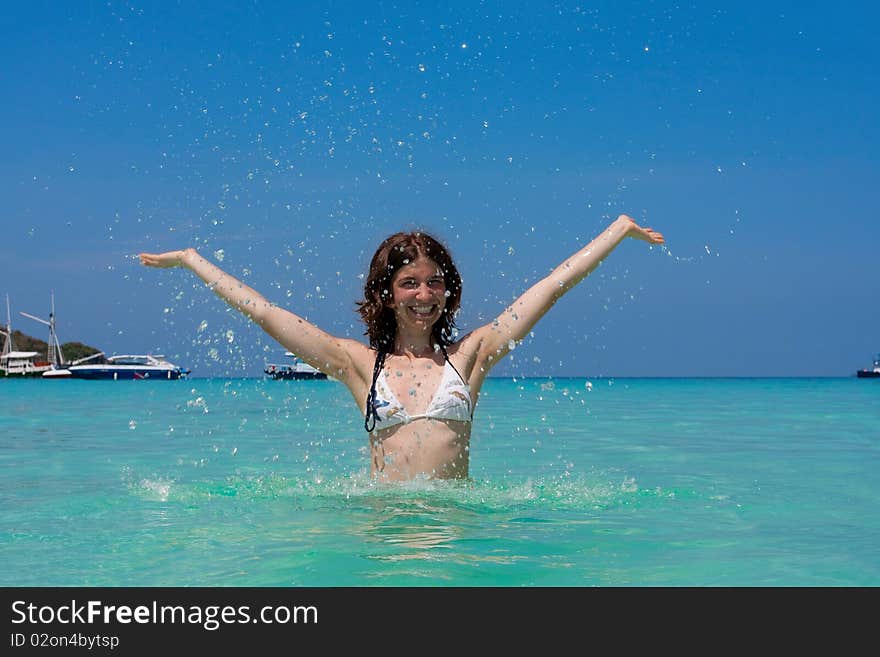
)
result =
(648, 235)
(162, 260)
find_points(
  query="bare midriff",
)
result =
(436, 449)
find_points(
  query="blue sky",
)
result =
(287, 139)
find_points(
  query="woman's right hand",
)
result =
(164, 260)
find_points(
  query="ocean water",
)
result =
(606, 482)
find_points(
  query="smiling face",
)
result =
(418, 292)
(385, 288)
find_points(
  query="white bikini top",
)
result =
(452, 401)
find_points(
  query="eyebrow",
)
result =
(437, 276)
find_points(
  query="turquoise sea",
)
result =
(574, 482)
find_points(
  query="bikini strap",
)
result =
(371, 414)
(446, 356)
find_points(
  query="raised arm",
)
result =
(319, 349)
(494, 339)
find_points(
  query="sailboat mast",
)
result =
(7, 341)
(55, 357)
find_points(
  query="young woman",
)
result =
(416, 387)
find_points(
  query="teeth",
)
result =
(422, 309)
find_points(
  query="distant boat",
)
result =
(56, 366)
(62, 371)
(54, 356)
(296, 370)
(25, 363)
(872, 373)
(152, 367)
(22, 363)
(18, 363)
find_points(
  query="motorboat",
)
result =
(296, 370)
(62, 370)
(872, 373)
(93, 366)
(130, 367)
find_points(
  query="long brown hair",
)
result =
(396, 251)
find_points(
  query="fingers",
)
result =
(648, 235)
(160, 260)
(653, 236)
(642, 233)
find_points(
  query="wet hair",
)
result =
(395, 252)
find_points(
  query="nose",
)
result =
(424, 292)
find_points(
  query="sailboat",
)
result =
(147, 366)
(14, 362)
(57, 366)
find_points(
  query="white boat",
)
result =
(57, 373)
(872, 373)
(23, 363)
(56, 366)
(18, 363)
(153, 367)
(63, 371)
(296, 370)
